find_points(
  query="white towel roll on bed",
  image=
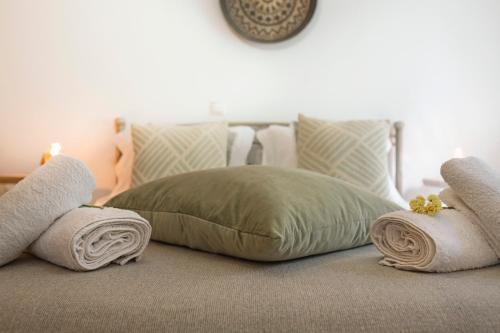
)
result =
(89, 238)
(446, 242)
(478, 187)
(27, 210)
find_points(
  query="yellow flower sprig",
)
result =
(431, 208)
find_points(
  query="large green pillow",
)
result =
(256, 212)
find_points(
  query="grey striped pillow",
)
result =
(355, 151)
(162, 151)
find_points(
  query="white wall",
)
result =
(68, 67)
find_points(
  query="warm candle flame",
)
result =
(55, 149)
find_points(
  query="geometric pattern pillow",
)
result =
(354, 151)
(162, 151)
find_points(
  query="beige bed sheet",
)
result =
(175, 289)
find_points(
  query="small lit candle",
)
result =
(55, 149)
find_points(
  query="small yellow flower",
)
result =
(417, 202)
(433, 206)
(434, 199)
(414, 204)
(432, 210)
(420, 210)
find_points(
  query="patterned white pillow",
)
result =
(162, 151)
(354, 151)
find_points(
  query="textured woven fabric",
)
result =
(52, 190)
(174, 289)
(162, 151)
(89, 238)
(355, 151)
(478, 187)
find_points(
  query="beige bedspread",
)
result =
(175, 289)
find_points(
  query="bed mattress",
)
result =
(174, 289)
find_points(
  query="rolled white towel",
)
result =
(452, 200)
(27, 210)
(446, 242)
(478, 187)
(88, 238)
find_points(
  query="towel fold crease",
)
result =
(89, 238)
(444, 243)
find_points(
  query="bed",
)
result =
(175, 289)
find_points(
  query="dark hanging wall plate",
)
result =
(268, 21)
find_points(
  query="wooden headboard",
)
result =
(396, 139)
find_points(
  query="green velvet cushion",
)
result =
(256, 212)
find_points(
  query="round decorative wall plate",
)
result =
(268, 21)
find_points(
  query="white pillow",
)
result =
(278, 146)
(279, 149)
(395, 196)
(123, 169)
(241, 145)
